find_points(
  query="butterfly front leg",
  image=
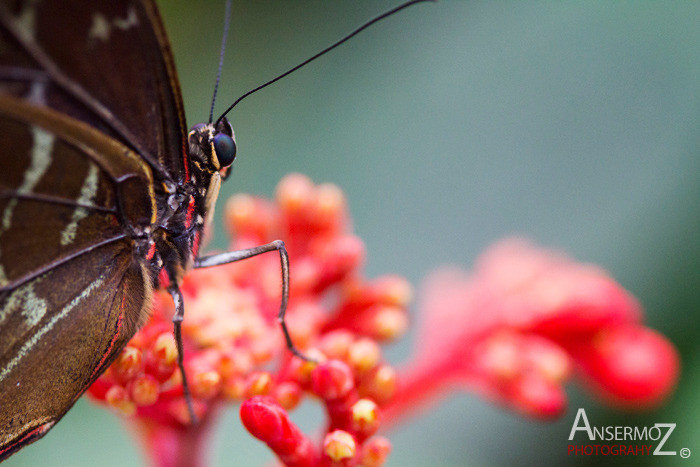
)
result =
(238, 255)
(179, 315)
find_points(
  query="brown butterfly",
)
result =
(104, 196)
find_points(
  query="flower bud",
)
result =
(375, 452)
(379, 384)
(339, 445)
(364, 416)
(288, 394)
(205, 384)
(364, 355)
(265, 419)
(258, 383)
(332, 380)
(144, 390)
(128, 364)
(118, 399)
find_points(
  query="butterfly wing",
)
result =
(62, 334)
(91, 121)
(73, 287)
(106, 63)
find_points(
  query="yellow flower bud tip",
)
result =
(375, 452)
(364, 412)
(288, 394)
(337, 343)
(145, 390)
(502, 358)
(165, 349)
(306, 367)
(128, 364)
(240, 207)
(390, 323)
(339, 445)
(294, 192)
(206, 384)
(554, 366)
(118, 399)
(259, 384)
(382, 383)
(396, 291)
(329, 200)
(364, 355)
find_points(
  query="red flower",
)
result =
(513, 331)
(515, 328)
(235, 351)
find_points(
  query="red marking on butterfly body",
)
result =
(190, 213)
(195, 244)
(151, 251)
(185, 162)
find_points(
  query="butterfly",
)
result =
(104, 196)
(102, 190)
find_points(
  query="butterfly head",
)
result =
(212, 147)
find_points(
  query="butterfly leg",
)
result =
(174, 291)
(233, 256)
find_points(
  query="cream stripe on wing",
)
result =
(101, 28)
(41, 159)
(25, 299)
(26, 20)
(31, 342)
(87, 194)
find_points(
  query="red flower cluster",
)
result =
(513, 331)
(235, 351)
(516, 328)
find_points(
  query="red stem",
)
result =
(171, 446)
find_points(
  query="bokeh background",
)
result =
(450, 126)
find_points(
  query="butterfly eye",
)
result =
(225, 149)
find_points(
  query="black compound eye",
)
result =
(225, 149)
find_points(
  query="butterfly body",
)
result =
(102, 193)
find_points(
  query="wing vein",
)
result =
(42, 198)
(49, 325)
(54, 264)
(78, 92)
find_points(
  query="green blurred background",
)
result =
(448, 127)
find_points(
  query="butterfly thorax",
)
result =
(185, 208)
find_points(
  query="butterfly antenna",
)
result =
(324, 51)
(227, 23)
